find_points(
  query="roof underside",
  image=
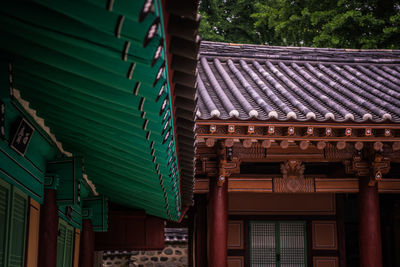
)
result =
(304, 84)
(95, 72)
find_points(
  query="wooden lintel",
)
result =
(337, 185)
(322, 185)
(389, 186)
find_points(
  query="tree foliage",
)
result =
(318, 23)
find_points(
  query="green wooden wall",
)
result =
(13, 219)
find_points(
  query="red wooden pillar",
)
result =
(200, 231)
(370, 229)
(48, 233)
(218, 224)
(86, 257)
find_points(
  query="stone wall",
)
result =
(173, 255)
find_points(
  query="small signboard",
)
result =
(22, 137)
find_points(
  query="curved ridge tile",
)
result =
(282, 90)
(371, 82)
(202, 111)
(226, 103)
(352, 96)
(326, 90)
(208, 102)
(350, 102)
(235, 91)
(269, 93)
(378, 78)
(300, 93)
(385, 74)
(250, 90)
(310, 89)
(392, 72)
(370, 97)
(382, 95)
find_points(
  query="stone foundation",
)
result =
(173, 255)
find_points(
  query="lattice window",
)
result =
(278, 244)
(263, 244)
(292, 244)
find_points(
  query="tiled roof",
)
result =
(291, 83)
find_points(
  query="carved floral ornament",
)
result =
(293, 178)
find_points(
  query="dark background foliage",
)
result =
(317, 23)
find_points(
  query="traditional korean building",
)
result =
(298, 158)
(97, 117)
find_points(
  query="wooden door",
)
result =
(65, 244)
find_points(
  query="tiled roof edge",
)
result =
(263, 52)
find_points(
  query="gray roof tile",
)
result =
(298, 83)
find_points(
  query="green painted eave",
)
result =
(90, 70)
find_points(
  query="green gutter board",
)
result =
(103, 96)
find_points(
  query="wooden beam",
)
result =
(247, 143)
(322, 185)
(378, 146)
(304, 144)
(300, 138)
(337, 185)
(389, 186)
(359, 145)
(396, 146)
(321, 145)
(341, 145)
(210, 142)
(229, 142)
(284, 144)
(257, 185)
(266, 143)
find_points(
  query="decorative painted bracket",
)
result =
(51, 181)
(70, 172)
(226, 166)
(96, 209)
(374, 169)
(379, 167)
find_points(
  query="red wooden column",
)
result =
(86, 254)
(218, 223)
(48, 233)
(370, 229)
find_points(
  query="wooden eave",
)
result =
(277, 141)
(101, 82)
(210, 131)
